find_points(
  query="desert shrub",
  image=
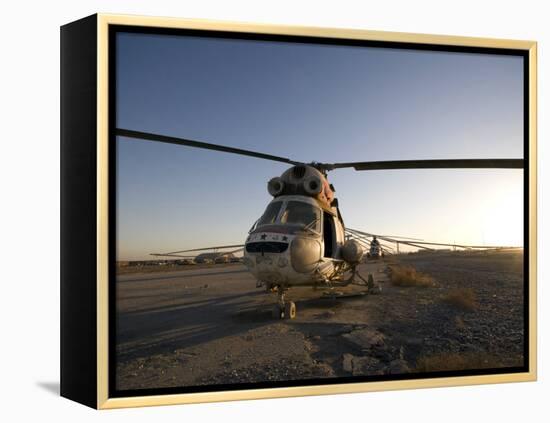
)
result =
(459, 323)
(463, 298)
(409, 276)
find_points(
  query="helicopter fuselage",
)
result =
(288, 247)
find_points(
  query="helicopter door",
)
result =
(329, 234)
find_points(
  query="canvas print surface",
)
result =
(291, 213)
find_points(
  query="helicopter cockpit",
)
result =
(297, 214)
(286, 244)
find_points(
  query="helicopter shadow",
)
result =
(182, 323)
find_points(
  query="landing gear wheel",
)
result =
(290, 310)
(278, 313)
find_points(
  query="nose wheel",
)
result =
(288, 311)
(283, 309)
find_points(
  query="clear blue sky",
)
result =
(313, 103)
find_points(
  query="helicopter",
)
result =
(375, 249)
(301, 238)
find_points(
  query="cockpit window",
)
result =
(270, 214)
(297, 212)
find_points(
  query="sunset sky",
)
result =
(313, 103)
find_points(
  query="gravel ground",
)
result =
(212, 326)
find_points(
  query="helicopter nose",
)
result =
(267, 256)
(269, 268)
(282, 262)
(270, 261)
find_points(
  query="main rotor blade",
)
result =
(199, 144)
(419, 244)
(191, 257)
(432, 164)
(200, 249)
(400, 239)
(490, 247)
(171, 255)
(385, 236)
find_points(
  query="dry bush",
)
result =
(459, 323)
(408, 276)
(463, 298)
(455, 361)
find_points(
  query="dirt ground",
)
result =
(213, 326)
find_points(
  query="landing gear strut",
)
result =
(371, 287)
(284, 310)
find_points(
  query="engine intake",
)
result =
(313, 185)
(275, 186)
